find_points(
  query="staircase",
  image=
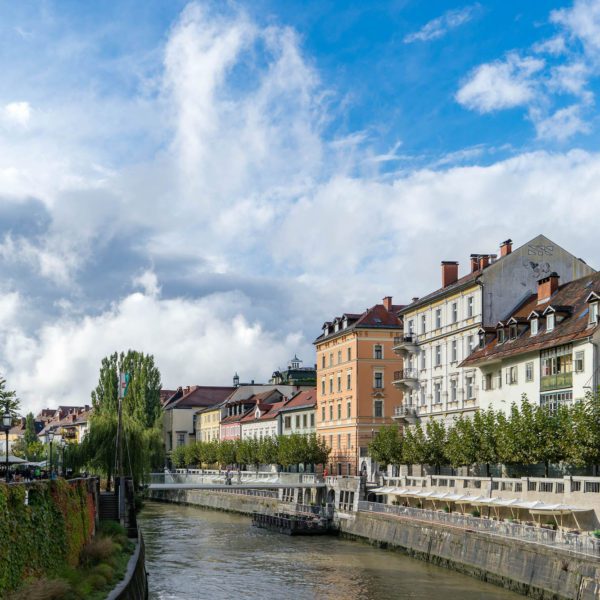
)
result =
(109, 507)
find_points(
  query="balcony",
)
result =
(403, 344)
(407, 379)
(406, 413)
(556, 382)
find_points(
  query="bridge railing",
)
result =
(580, 543)
(214, 476)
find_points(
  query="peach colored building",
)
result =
(355, 395)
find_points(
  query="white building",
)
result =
(442, 329)
(547, 349)
(298, 414)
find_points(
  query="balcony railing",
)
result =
(406, 411)
(556, 382)
(406, 374)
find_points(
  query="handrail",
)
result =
(578, 543)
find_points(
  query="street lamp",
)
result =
(6, 424)
(49, 438)
(63, 445)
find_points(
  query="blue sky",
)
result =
(210, 181)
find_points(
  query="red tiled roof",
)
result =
(307, 398)
(201, 395)
(573, 327)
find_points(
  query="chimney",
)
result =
(484, 261)
(547, 286)
(474, 262)
(415, 298)
(505, 248)
(387, 302)
(449, 272)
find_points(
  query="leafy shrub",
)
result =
(43, 589)
(596, 533)
(105, 570)
(97, 550)
(97, 581)
(475, 513)
(111, 529)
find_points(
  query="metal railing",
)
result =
(260, 493)
(406, 374)
(409, 410)
(409, 338)
(579, 543)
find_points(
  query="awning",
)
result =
(473, 500)
(15, 460)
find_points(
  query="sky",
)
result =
(209, 182)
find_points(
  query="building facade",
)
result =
(355, 395)
(299, 414)
(442, 329)
(546, 349)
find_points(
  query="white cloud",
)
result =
(438, 27)
(553, 46)
(17, 113)
(563, 124)
(582, 21)
(501, 84)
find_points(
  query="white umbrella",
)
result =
(15, 460)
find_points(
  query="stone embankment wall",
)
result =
(217, 500)
(532, 570)
(134, 585)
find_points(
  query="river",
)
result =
(194, 553)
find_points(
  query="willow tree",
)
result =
(143, 448)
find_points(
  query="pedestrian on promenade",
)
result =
(228, 477)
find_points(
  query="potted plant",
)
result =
(475, 513)
(446, 509)
(596, 533)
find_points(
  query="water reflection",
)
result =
(193, 553)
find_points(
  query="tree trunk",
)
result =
(487, 469)
(546, 468)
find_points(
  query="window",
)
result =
(423, 393)
(501, 336)
(323, 361)
(438, 318)
(534, 326)
(331, 359)
(453, 386)
(331, 412)
(378, 408)
(331, 385)
(378, 381)
(437, 392)
(454, 312)
(579, 361)
(594, 312)
(470, 307)
(322, 413)
(529, 371)
(339, 440)
(438, 355)
(411, 326)
(487, 382)
(469, 381)
(331, 441)
(339, 356)
(339, 410)
(454, 350)
(287, 422)
(297, 421)
(550, 322)
(513, 332)
(349, 381)
(423, 359)
(181, 439)
(499, 380)
(470, 344)
(349, 353)
(323, 387)
(312, 419)
(511, 375)
(556, 361)
(554, 400)
(349, 441)
(481, 340)
(377, 351)
(339, 383)
(423, 323)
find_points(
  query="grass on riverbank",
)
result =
(103, 564)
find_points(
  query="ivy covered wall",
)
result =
(43, 526)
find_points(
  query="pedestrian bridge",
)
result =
(215, 480)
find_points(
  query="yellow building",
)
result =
(355, 395)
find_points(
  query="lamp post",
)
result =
(63, 445)
(49, 438)
(6, 424)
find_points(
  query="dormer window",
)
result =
(534, 326)
(501, 336)
(336, 326)
(345, 323)
(593, 313)
(481, 339)
(513, 332)
(550, 320)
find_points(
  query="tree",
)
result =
(485, 428)
(414, 447)
(318, 450)
(435, 446)
(551, 428)
(461, 443)
(9, 403)
(30, 435)
(227, 452)
(386, 446)
(584, 444)
(267, 450)
(247, 453)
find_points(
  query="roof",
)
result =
(574, 326)
(268, 412)
(306, 399)
(376, 317)
(199, 396)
